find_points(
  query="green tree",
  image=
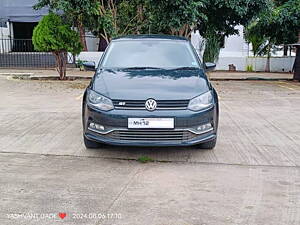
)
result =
(52, 35)
(133, 17)
(75, 12)
(104, 24)
(180, 17)
(176, 17)
(280, 25)
(119, 17)
(215, 19)
(222, 17)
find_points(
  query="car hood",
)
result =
(145, 84)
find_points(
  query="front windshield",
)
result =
(149, 54)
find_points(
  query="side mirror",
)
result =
(209, 66)
(91, 66)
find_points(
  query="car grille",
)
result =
(152, 135)
(161, 104)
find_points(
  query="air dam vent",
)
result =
(161, 104)
(152, 135)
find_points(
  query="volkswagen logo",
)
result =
(151, 104)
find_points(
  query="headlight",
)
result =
(201, 102)
(99, 101)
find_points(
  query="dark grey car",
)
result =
(150, 91)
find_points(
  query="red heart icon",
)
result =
(62, 215)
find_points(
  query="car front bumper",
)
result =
(116, 130)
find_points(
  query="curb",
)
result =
(32, 77)
(251, 79)
(75, 77)
(16, 74)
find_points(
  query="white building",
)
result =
(4, 34)
(238, 52)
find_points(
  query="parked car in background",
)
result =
(150, 90)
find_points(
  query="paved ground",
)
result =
(252, 177)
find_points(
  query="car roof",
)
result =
(150, 36)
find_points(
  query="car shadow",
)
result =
(161, 154)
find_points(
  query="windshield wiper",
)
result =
(186, 68)
(143, 68)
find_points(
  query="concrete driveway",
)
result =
(252, 177)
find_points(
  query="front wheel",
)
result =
(209, 145)
(90, 144)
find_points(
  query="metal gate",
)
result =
(20, 53)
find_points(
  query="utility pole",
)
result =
(296, 66)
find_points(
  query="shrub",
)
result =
(249, 68)
(52, 35)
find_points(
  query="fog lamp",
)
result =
(204, 127)
(96, 126)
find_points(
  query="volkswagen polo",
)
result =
(150, 90)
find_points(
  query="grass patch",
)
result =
(249, 68)
(145, 159)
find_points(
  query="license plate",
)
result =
(151, 123)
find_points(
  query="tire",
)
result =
(90, 144)
(209, 145)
